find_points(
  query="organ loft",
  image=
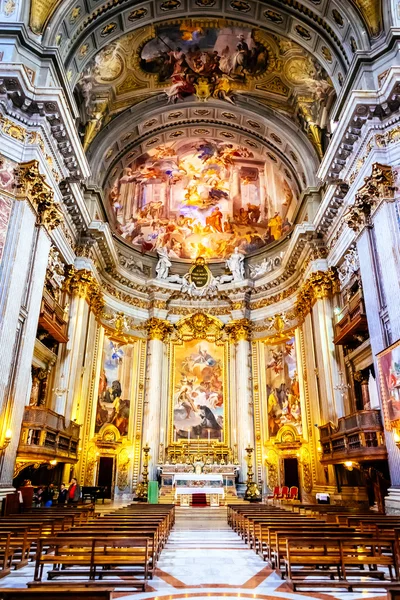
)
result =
(199, 297)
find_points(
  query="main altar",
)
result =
(180, 480)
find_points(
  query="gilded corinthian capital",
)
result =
(378, 186)
(320, 284)
(31, 184)
(83, 283)
(158, 329)
(239, 330)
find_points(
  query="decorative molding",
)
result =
(239, 330)
(158, 329)
(320, 284)
(84, 284)
(200, 326)
(31, 184)
(379, 186)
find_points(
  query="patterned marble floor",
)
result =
(205, 559)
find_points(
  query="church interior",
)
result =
(199, 299)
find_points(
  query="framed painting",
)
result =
(282, 387)
(198, 391)
(115, 386)
(389, 378)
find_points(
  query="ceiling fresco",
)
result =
(212, 59)
(204, 61)
(202, 198)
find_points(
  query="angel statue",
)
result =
(163, 264)
(235, 264)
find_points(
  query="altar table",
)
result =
(186, 484)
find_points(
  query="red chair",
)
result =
(284, 493)
(293, 493)
(275, 493)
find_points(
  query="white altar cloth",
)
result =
(187, 487)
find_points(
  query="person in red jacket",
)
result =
(74, 491)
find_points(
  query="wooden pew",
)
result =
(335, 559)
(59, 592)
(92, 553)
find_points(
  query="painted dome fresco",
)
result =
(203, 189)
(202, 197)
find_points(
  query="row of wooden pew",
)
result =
(81, 549)
(322, 546)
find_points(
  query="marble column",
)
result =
(22, 279)
(158, 331)
(72, 359)
(332, 402)
(378, 253)
(21, 371)
(240, 334)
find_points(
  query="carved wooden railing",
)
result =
(45, 435)
(351, 320)
(356, 437)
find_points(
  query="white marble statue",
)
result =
(163, 265)
(235, 264)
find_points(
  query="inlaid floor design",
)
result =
(205, 559)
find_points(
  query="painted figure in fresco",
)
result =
(200, 218)
(275, 225)
(111, 406)
(283, 391)
(199, 395)
(207, 64)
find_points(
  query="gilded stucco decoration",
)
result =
(199, 326)
(378, 186)
(240, 329)
(41, 11)
(84, 284)
(158, 329)
(123, 470)
(320, 284)
(272, 464)
(205, 59)
(31, 185)
(371, 10)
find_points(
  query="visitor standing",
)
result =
(74, 491)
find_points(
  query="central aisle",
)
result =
(204, 558)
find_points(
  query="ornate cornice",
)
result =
(158, 329)
(377, 187)
(240, 329)
(200, 326)
(320, 284)
(31, 184)
(83, 284)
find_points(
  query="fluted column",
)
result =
(240, 335)
(158, 331)
(86, 296)
(21, 287)
(373, 217)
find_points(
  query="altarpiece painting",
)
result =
(113, 402)
(198, 395)
(283, 389)
(389, 372)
